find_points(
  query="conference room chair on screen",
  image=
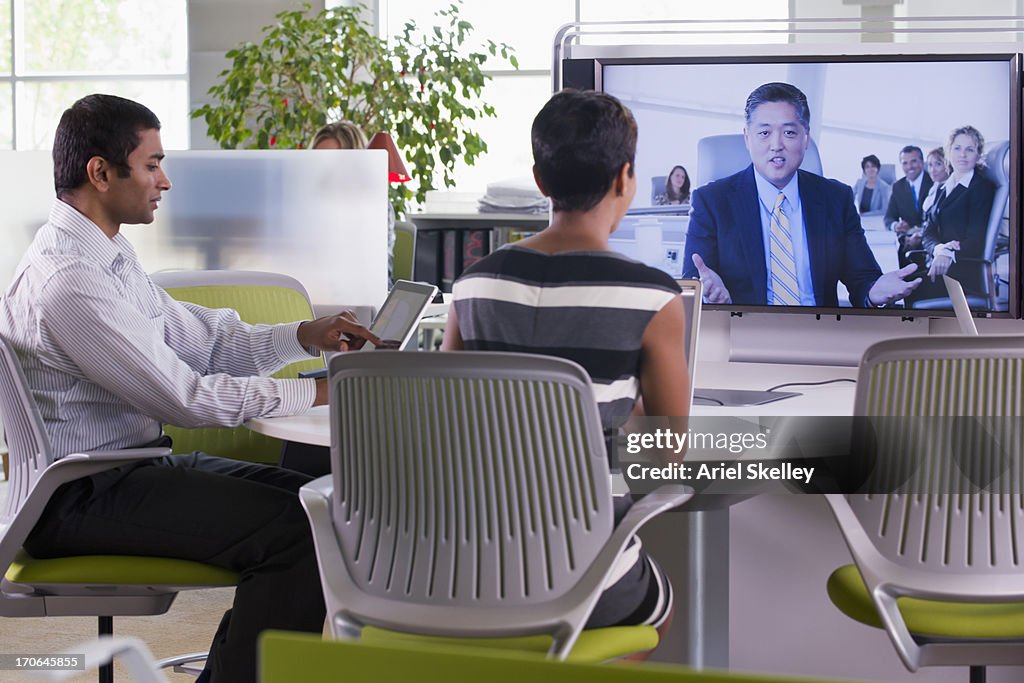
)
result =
(259, 298)
(102, 586)
(887, 172)
(719, 156)
(938, 560)
(657, 186)
(470, 498)
(982, 283)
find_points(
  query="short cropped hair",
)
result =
(97, 125)
(870, 159)
(779, 92)
(347, 134)
(912, 148)
(581, 139)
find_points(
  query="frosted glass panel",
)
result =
(319, 217)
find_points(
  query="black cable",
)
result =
(811, 384)
(708, 398)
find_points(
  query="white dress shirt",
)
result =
(109, 356)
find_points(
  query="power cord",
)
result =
(708, 398)
(811, 384)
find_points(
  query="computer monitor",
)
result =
(691, 112)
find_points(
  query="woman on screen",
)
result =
(871, 193)
(677, 188)
(954, 235)
(621, 320)
(938, 171)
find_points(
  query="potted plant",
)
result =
(421, 86)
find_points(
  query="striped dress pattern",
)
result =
(591, 307)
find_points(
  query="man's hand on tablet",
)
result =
(341, 332)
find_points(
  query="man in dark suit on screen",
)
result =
(772, 234)
(904, 214)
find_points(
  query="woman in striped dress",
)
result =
(564, 292)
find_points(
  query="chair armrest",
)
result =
(661, 499)
(69, 468)
(126, 455)
(321, 486)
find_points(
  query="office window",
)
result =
(54, 51)
(530, 29)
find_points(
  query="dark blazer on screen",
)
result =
(725, 229)
(901, 201)
(963, 215)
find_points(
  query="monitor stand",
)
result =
(737, 397)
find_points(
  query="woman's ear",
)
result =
(536, 179)
(622, 179)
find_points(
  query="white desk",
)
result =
(693, 549)
(313, 427)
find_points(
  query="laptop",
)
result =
(960, 307)
(399, 317)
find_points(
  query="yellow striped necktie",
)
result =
(785, 290)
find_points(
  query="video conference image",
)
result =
(899, 183)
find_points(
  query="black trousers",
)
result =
(231, 514)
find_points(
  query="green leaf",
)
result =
(330, 65)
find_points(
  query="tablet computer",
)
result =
(400, 315)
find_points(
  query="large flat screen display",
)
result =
(906, 162)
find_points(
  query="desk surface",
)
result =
(313, 426)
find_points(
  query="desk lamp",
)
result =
(396, 168)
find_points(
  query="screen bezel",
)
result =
(1014, 60)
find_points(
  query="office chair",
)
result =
(981, 283)
(103, 586)
(719, 156)
(658, 186)
(887, 172)
(937, 558)
(266, 298)
(470, 498)
(405, 250)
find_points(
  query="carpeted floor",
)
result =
(187, 627)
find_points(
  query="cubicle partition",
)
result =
(319, 217)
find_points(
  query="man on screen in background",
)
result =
(109, 357)
(771, 234)
(908, 193)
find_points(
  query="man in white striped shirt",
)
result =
(110, 357)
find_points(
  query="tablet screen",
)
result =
(402, 310)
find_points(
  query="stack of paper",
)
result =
(516, 195)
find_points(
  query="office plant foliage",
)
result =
(422, 86)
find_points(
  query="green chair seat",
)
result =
(117, 569)
(847, 591)
(287, 657)
(254, 304)
(595, 645)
